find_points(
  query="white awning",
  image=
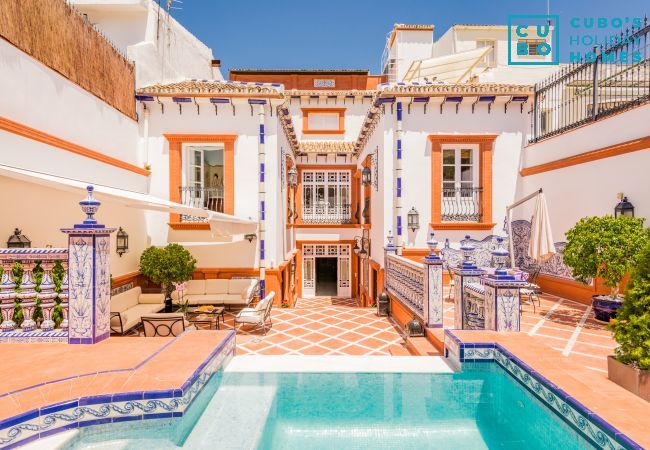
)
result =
(129, 198)
(454, 68)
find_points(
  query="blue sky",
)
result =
(350, 34)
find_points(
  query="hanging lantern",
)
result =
(122, 242)
(292, 176)
(414, 328)
(366, 176)
(413, 218)
(624, 207)
(18, 240)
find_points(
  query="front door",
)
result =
(326, 281)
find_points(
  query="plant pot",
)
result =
(605, 307)
(635, 380)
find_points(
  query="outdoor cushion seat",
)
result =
(258, 315)
(238, 292)
(131, 305)
(164, 324)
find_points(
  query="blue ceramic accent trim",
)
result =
(399, 225)
(591, 426)
(262, 249)
(399, 149)
(399, 187)
(262, 172)
(94, 410)
(399, 110)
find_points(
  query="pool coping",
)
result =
(589, 424)
(126, 406)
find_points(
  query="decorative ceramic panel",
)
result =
(435, 295)
(324, 83)
(507, 308)
(102, 286)
(80, 272)
(490, 308)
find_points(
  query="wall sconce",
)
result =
(366, 176)
(18, 240)
(292, 177)
(250, 237)
(623, 208)
(413, 218)
(122, 242)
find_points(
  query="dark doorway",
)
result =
(326, 281)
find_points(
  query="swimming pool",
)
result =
(480, 407)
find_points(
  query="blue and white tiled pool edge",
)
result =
(94, 410)
(589, 424)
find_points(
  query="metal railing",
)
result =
(405, 280)
(611, 79)
(326, 214)
(206, 198)
(461, 204)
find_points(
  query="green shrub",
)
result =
(604, 247)
(167, 265)
(632, 324)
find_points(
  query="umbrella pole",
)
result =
(509, 218)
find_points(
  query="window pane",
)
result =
(449, 173)
(323, 121)
(344, 195)
(320, 194)
(197, 157)
(331, 195)
(466, 189)
(447, 189)
(344, 276)
(448, 156)
(307, 198)
(197, 174)
(465, 173)
(466, 156)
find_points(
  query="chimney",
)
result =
(216, 69)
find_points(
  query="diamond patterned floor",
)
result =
(320, 326)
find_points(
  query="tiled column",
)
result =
(466, 273)
(261, 156)
(63, 296)
(502, 303)
(433, 308)
(89, 292)
(398, 180)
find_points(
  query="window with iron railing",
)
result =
(326, 197)
(461, 197)
(203, 185)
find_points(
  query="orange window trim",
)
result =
(485, 144)
(593, 155)
(48, 139)
(176, 142)
(305, 120)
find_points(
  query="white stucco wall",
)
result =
(38, 97)
(355, 114)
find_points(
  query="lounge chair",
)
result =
(258, 315)
(531, 289)
(164, 325)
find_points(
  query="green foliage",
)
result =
(632, 324)
(604, 247)
(171, 264)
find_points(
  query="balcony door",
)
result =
(326, 197)
(203, 184)
(460, 191)
(321, 264)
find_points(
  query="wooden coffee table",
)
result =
(210, 318)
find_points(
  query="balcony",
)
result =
(461, 204)
(324, 214)
(210, 198)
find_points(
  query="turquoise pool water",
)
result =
(478, 408)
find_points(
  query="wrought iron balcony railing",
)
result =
(207, 198)
(461, 204)
(326, 214)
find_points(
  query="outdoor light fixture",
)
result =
(18, 240)
(413, 219)
(360, 245)
(250, 237)
(292, 176)
(623, 208)
(366, 176)
(414, 328)
(122, 242)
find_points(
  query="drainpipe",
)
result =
(146, 135)
(397, 205)
(262, 198)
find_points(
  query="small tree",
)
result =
(632, 324)
(171, 264)
(604, 247)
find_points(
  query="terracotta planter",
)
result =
(605, 307)
(634, 380)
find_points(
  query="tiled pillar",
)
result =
(89, 292)
(502, 303)
(261, 156)
(433, 308)
(398, 180)
(463, 275)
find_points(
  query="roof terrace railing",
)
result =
(613, 79)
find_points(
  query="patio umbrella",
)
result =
(541, 246)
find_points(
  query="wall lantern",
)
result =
(413, 219)
(250, 237)
(414, 328)
(623, 208)
(18, 240)
(366, 176)
(293, 177)
(122, 242)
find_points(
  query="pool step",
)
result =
(233, 408)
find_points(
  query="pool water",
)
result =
(479, 408)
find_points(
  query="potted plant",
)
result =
(604, 247)
(630, 368)
(167, 265)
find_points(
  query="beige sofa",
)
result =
(235, 292)
(128, 307)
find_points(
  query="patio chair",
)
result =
(164, 325)
(452, 282)
(531, 289)
(258, 315)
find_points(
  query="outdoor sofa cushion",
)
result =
(218, 292)
(131, 305)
